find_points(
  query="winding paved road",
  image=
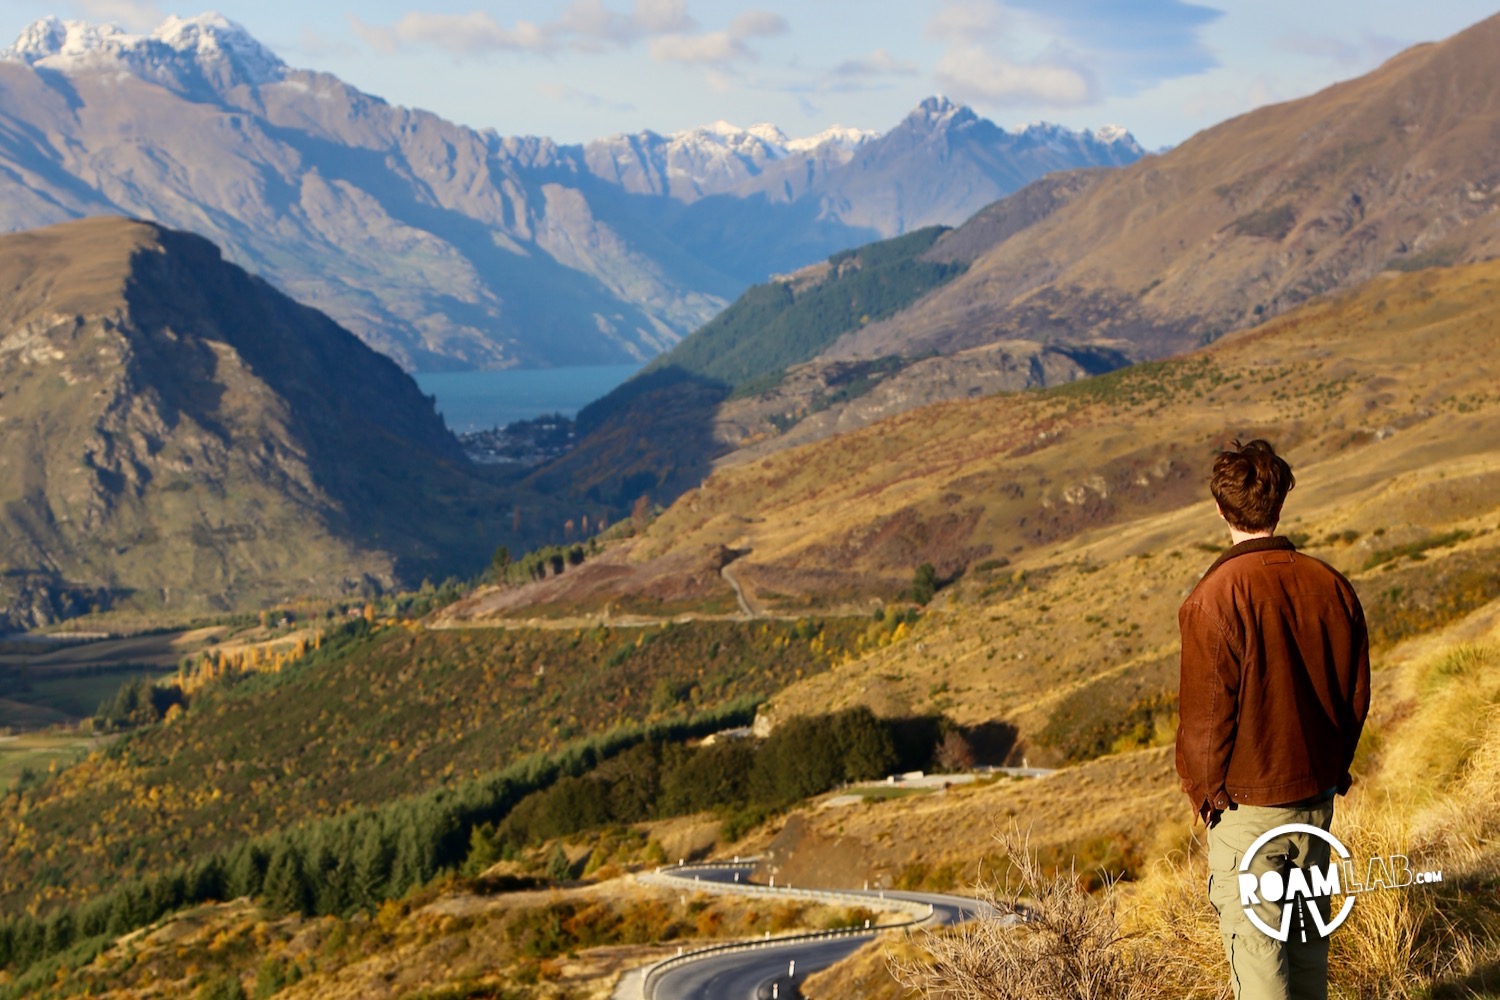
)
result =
(749, 975)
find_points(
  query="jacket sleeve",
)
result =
(1359, 692)
(1208, 706)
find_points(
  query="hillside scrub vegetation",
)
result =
(378, 713)
(360, 861)
(740, 779)
(456, 938)
(774, 326)
(341, 864)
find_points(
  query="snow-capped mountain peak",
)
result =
(838, 136)
(720, 127)
(939, 111)
(211, 44)
(52, 36)
(212, 35)
(1113, 133)
(768, 133)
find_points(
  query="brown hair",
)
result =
(1250, 483)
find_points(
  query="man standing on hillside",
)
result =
(1274, 691)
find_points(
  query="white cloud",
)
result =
(971, 73)
(572, 95)
(591, 20)
(986, 60)
(719, 49)
(963, 21)
(461, 34)
(663, 17)
(133, 15)
(877, 63)
(589, 26)
(1066, 53)
(714, 49)
(758, 24)
(1133, 45)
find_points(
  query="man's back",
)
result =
(1275, 678)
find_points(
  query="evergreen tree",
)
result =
(706, 777)
(270, 978)
(287, 887)
(484, 851)
(372, 868)
(247, 870)
(206, 881)
(634, 779)
(865, 746)
(559, 868)
(410, 866)
(59, 933)
(924, 584)
(330, 880)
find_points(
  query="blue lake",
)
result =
(476, 401)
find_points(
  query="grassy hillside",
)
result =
(1425, 787)
(1062, 527)
(1072, 520)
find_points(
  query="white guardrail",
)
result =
(681, 877)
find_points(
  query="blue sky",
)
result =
(578, 69)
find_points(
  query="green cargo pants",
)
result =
(1260, 967)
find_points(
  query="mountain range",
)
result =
(1246, 220)
(448, 247)
(1085, 270)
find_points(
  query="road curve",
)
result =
(739, 591)
(750, 975)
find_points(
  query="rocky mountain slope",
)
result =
(180, 436)
(447, 247)
(1246, 220)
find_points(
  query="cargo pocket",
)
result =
(1223, 877)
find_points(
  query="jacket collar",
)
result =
(1252, 545)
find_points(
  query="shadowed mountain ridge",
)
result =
(181, 436)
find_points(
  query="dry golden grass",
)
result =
(1428, 788)
(1426, 940)
(1105, 812)
(1046, 936)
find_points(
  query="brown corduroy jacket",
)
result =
(1275, 679)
